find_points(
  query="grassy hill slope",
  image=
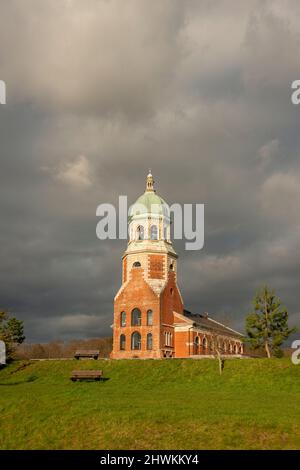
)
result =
(170, 404)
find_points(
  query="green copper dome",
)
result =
(149, 203)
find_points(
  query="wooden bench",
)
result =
(87, 353)
(86, 375)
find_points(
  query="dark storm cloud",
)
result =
(100, 91)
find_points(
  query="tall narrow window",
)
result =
(122, 342)
(153, 232)
(136, 340)
(149, 318)
(140, 232)
(136, 317)
(168, 338)
(149, 341)
(123, 319)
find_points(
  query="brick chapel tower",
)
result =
(143, 307)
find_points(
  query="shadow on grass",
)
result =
(31, 378)
(103, 379)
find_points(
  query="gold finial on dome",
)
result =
(150, 182)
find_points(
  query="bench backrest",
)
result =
(87, 373)
(87, 352)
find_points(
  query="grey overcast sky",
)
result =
(98, 92)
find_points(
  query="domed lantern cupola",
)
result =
(149, 219)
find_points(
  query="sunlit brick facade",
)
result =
(149, 317)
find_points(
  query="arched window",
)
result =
(136, 340)
(153, 232)
(140, 232)
(171, 267)
(241, 349)
(136, 264)
(149, 318)
(204, 342)
(136, 317)
(149, 341)
(123, 319)
(235, 349)
(122, 342)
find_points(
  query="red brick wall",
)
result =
(170, 300)
(156, 266)
(137, 294)
(181, 344)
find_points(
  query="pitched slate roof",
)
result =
(202, 320)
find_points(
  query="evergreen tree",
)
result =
(267, 325)
(11, 332)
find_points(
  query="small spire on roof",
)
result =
(150, 181)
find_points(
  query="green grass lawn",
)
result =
(168, 404)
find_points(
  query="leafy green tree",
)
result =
(267, 325)
(11, 332)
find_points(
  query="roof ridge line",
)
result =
(228, 328)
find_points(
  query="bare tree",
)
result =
(217, 350)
